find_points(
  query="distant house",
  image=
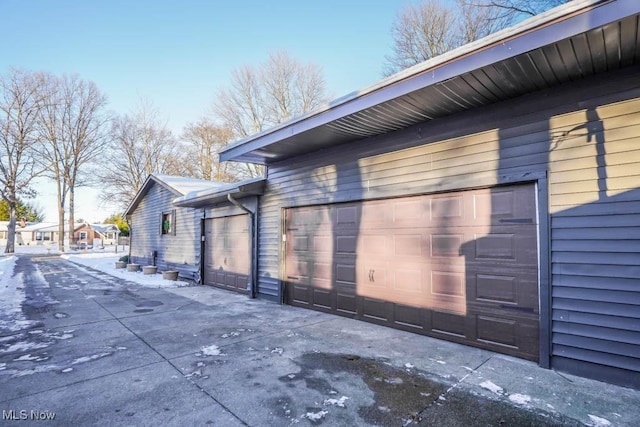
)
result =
(97, 235)
(45, 233)
(41, 233)
(162, 234)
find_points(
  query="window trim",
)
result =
(171, 215)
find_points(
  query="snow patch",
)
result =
(492, 387)
(315, 416)
(336, 402)
(212, 350)
(520, 399)
(23, 346)
(230, 334)
(85, 359)
(598, 421)
(26, 357)
(408, 365)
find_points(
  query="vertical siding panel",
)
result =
(180, 251)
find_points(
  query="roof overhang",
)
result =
(238, 190)
(568, 43)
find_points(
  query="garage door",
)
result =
(459, 266)
(226, 260)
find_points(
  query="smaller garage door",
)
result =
(227, 258)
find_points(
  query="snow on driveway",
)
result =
(24, 340)
(12, 287)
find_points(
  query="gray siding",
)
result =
(175, 252)
(584, 135)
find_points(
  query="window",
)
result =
(3, 234)
(39, 235)
(168, 223)
(83, 235)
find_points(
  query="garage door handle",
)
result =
(371, 275)
(225, 261)
(293, 277)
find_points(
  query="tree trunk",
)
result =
(11, 229)
(72, 239)
(60, 225)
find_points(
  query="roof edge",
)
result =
(249, 187)
(470, 56)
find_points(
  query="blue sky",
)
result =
(177, 53)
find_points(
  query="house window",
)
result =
(42, 235)
(83, 235)
(167, 223)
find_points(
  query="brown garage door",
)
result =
(459, 266)
(226, 260)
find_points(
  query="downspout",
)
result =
(254, 248)
(130, 239)
(202, 247)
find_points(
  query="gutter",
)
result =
(253, 291)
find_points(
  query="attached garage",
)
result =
(489, 196)
(461, 266)
(228, 233)
(227, 252)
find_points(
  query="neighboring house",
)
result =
(41, 233)
(162, 234)
(107, 234)
(95, 234)
(489, 196)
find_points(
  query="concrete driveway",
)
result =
(98, 350)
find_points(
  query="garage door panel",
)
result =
(448, 324)
(447, 208)
(346, 303)
(498, 289)
(227, 259)
(460, 266)
(498, 331)
(322, 298)
(446, 245)
(505, 244)
(412, 317)
(505, 205)
(375, 309)
(298, 294)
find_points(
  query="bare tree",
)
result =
(430, 28)
(420, 32)
(141, 144)
(20, 103)
(264, 96)
(205, 139)
(478, 19)
(514, 10)
(73, 123)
